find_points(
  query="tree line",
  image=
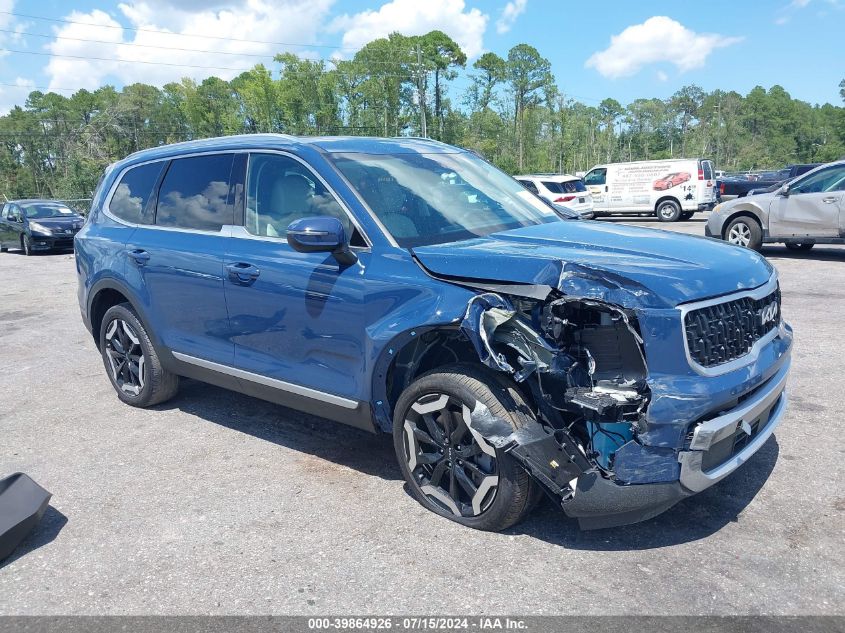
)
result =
(509, 109)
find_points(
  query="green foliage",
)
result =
(513, 113)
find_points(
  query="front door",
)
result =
(296, 318)
(812, 206)
(596, 181)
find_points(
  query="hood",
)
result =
(65, 222)
(627, 266)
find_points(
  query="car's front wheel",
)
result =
(131, 362)
(26, 243)
(744, 231)
(450, 467)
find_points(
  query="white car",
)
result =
(561, 190)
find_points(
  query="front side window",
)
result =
(435, 198)
(281, 190)
(596, 177)
(195, 193)
(134, 191)
(830, 179)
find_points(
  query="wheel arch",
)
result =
(663, 199)
(107, 293)
(744, 211)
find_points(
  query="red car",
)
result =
(671, 180)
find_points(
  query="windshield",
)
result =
(435, 198)
(47, 211)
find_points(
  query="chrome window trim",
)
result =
(756, 293)
(107, 212)
(290, 387)
(341, 202)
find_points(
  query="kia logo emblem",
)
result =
(768, 313)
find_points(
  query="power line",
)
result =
(161, 32)
(177, 48)
(175, 65)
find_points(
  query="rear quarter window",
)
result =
(133, 193)
(195, 193)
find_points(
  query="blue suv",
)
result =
(407, 286)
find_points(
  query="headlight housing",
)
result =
(34, 227)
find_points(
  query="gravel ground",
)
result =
(216, 503)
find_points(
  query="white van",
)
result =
(671, 189)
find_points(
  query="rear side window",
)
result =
(195, 193)
(133, 193)
(707, 168)
(530, 186)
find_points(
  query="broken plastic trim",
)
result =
(586, 400)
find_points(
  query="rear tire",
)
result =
(800, 246)
(449, 467)
(131, 361)
(745, 231)
(668, 211)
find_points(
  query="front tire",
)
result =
(26, 244)
(744, 231)
(131, 362)
(668, 211)
(449, 467)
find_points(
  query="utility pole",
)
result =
(718, 109)
(421, 92)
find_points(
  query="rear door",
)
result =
(177, 260)
(707, 182)
(813, 206)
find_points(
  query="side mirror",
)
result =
(784, 191)
(322, 234)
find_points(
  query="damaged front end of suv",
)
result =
(624, 427)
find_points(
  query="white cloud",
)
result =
(658, 39)
(256, 21)
(661, 76)
(415, 17)
(10, 96)
(510, 13)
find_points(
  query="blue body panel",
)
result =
(309, 320)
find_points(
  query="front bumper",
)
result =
(51, 242)
(718, 446)
(735, 435)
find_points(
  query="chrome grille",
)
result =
(723, 332)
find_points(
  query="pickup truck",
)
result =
(729, 188)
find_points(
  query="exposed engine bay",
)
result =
(582, 363)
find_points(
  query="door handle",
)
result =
(140, 256)
(243, 273)
(830, 200)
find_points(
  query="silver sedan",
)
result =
(806, 211)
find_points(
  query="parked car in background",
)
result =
(805, 211)
(561, 190)
(409, 287)
(740, 185)
(666, 188)
(38, 225)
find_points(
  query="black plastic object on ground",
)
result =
(22, 504)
